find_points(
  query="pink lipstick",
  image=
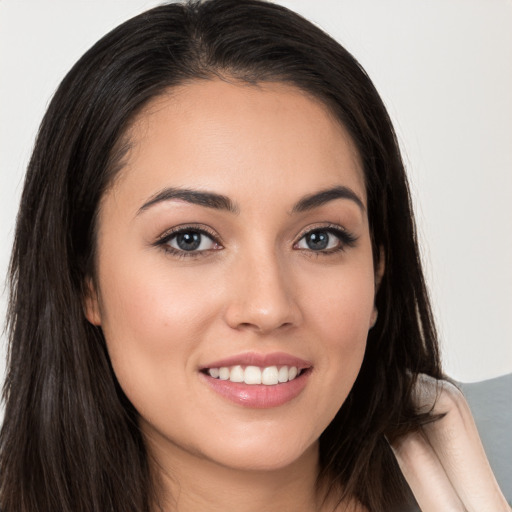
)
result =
(258, 380)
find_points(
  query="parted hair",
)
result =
(70, 440)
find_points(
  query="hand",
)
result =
(444, 462)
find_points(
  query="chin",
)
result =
(270, 456)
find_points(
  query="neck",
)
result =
(189, 483)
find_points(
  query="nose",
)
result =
(263, 296)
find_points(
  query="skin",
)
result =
(448, 456)
(254, 286)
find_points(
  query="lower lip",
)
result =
(258, 396)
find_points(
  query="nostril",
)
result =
(263, 327)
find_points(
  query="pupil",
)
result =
(188, 241)
(317, 240)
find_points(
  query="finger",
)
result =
(425, 474)
(456, 442)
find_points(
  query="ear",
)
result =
(380, 268)
(379, 274)
(91, 303)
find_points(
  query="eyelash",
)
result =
(164, 240)
(346, 240)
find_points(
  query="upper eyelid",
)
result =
(347, 238)
(201, 228)
(208, 231)
(320, 226)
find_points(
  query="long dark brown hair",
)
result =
(70, 441)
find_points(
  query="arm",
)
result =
(445, 463)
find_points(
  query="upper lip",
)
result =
(261, 360)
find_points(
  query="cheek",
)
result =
(340, 304)
(153, 320)
(339, 313)
(152, 300)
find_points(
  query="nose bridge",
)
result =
(263, 295)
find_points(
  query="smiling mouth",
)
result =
(258, 381)
(254, 375)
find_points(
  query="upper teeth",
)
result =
(269, 375)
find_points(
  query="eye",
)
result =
(331, 239)
(188, 241)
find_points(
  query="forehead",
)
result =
(263, 137)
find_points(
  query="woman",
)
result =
(217, 299)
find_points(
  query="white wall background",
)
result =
(444, 69)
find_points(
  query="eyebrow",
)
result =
(208, 199)
(221, 202)
(317, 199)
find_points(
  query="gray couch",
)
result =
(491, 405)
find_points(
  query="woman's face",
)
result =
(233, 248)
